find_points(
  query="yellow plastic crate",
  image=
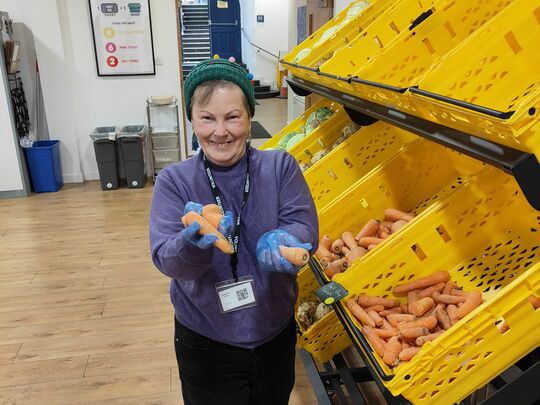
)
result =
(325, 338)
(299, 122)
(335, 34)
(495, 68)
(413, 180)
(486, 235)
(354, 158)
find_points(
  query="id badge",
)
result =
(235, 295)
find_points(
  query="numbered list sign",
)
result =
(122, 32)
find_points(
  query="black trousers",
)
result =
(213, 373)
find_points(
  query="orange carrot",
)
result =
(448, 299)
(337, 245)
(377, 343)
(295, 255)
(205, 228)
(386, 333)
(395, 310)
(396, 226)
(371, 247)
(474, 299)
(425, 322)
(369, 229)
(211, 208)
(408, 353)
(322, 252)
(356, 253)
(452, 313)
(428, 292)
(385, 325)
(413, 333)
(412, 297)
(404, 308)
(383, 233)
(335, 267)
(448, 288)
(369, 240)
(359, 313)
(422, 340)
(504, 327)
(324, 261)
(535, 302)
(422, 306)
(391, 352)
(345, 251)
(214, 218)
(395, 319)
(443, 317)
(348, 239)
(435, 278)
(459, 293)
(376, 308)
(376, 318)
(326, 241)
(368, 300)
(392, 214)
(387, 225)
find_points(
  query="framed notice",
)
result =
(122, 32)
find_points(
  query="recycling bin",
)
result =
(131, 142)
(106, 156)
(45, 167)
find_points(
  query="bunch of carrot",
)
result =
(398, 331)
(337, 255)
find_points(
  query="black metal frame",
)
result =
(524, 166)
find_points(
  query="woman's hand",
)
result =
(226, 224)
(269, 256)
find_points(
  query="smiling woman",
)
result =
(234, 326)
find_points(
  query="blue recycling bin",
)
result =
(45, 167)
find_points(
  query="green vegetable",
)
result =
(316, 118)
(294, 140)
(282, 144)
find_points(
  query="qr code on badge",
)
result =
(242, 294)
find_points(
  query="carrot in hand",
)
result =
(295, 255)
(205, 228)
(435, 278)
(214, 218)
(211, 209)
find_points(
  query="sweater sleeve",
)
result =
(173, 255)
(297, 213)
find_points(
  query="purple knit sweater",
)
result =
(279, 198)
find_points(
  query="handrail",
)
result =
(258, 47)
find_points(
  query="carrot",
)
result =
(459, 293)
(504, 327)
(369, 229)
(383, 233)
(377, 343)
(333, 268)
(337, 245)
(452, 313)
(422, 340)
(435, 278)
(413, 333)
(448, 299)
(386, 333)
(535, 302)
(395, 319)
(395, 310)
(214, 218)
(425, 322)
(422, 306)
(324, 261)
(474, 299)
(385, 325)
(368, 300)
(376, 308)
(387, 225)
(428, 292)
(295, 255)
(443, 317)
(376, 318)
(408, 353)
(371, 247)
(448, 288)
(345, 251)
(348, 239)
(412, 297)
(211, 208)
(391, 352)
(394, 215)
(359, 313)
(356, 253)
(396, 226)
(205, 228)
(322, 252)
(326, 241)
(404, 308)
(369, 240)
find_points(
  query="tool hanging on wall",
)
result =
(20, 108)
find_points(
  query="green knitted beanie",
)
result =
(218, 69)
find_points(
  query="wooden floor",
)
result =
(85, 317)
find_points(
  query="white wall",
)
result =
(76, 99)
(340, 5)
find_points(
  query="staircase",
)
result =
(195, 36)
(264, 90)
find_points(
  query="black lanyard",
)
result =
(234, 239)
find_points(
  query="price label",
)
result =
(331, 293)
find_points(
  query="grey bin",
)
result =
(131, 141)
(105, 148)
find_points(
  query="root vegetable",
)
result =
(448, 288)
(391, 352)
(448, 299)
(422, 340)
(396, 310)
(394, 215)
(337, 245)
(366, 241)
(295, 255)
(376, 318)
(368, 300)
(429, 322)
(474, 299)
(452, 313)
(369, 229)
(408, 353)
(211, 209)
(413, 333)
(355, 253)
(386, 333)
(348, 239)
(435, 278)
(396, 319)
(377, 343)
(205, 228)
(214, 218)
(396, 226)
(422, 306)
(359, 313)
(376, 308)
(326, 241)
(535, 302)
(322, 252)
(428, 292)
(442, 317)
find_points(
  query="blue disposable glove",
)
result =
(226, 225)
(269, 256)
(191, 234)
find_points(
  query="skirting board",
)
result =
(13, 194)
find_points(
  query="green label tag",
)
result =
(331, 293)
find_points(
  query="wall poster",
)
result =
(122, 33)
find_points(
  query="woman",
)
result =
(234, 325)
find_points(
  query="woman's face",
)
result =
(222, 125)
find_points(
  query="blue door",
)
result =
(225, 28)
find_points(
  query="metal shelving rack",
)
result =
(163, 147)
